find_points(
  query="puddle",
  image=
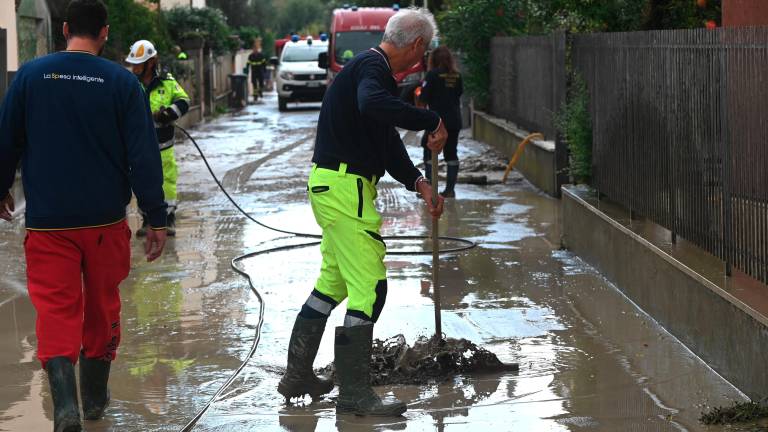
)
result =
(588, 359)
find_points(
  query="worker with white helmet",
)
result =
(168, 102)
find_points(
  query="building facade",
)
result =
(742, 13)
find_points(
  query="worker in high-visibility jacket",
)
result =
(168, 102)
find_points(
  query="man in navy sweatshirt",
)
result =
(357, 141)
(81, 127)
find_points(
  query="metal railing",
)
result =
(528, 80)
(680, 131)
(528, 88)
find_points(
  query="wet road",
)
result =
(590, 360)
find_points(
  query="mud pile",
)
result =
(393, 361)
(740, 412)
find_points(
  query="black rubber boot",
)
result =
(299, 378)
(450, 184)
(142, 232)
(428, 170)
(61, 377)
(94, 375)
(353, 364)
(171, 222)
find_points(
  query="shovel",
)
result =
(435, 254)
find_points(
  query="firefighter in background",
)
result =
(441, 91)
(257, 62)
(168, 102)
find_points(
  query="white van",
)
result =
(299, 79)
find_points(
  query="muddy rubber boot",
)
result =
(61, 377)
(142, 232)
(94, 375)
(450, 184)
(299, 378)
(353, 364)
(170, 230)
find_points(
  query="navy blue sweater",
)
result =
(82, 128)
(358, 118)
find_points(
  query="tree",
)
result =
(206, 23)
(672, 14)
(129, 22)
(264, 14)
(300, 15)
(469, 25)
(239, 13)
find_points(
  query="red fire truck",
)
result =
(354, 30)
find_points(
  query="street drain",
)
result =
(393, 361)
(740, 412)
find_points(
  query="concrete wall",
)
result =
(737, 13)
(537, 163)
(8, 22)
(727, 333)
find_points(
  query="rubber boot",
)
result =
(428, 169)
(450, 183)
(353, 364)
(171, 224)
(142, 232)
(94, 375)
(61, 377)
(299, 378)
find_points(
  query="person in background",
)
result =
(346, 56)
(82, 128)
(441, 91)
(180, 55)
(257, 62)
(168, 102)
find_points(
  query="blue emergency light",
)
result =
(295, 38)
(323, 37)
(396, 7)
(354, 8)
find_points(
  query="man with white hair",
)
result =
(357, 141)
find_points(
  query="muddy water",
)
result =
(589, 359)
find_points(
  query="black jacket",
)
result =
(359, 116)
(442, 91)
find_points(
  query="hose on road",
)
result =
(464, 245)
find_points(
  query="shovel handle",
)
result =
(435, 254)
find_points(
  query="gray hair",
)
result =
(407, 25)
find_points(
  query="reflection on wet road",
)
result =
(590, 360)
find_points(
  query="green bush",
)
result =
(130, 21)
(574, 123)
(268, 43)
(468, 26)
(207, 23)
(247, 36)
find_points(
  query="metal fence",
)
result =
(528, 80)
(680, 123)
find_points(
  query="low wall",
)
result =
(724, 324)
(537, 163)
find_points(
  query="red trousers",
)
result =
(73, 278)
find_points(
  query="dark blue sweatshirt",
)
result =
(82, 128)
(358, 118)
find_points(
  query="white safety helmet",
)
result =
(141, 51)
